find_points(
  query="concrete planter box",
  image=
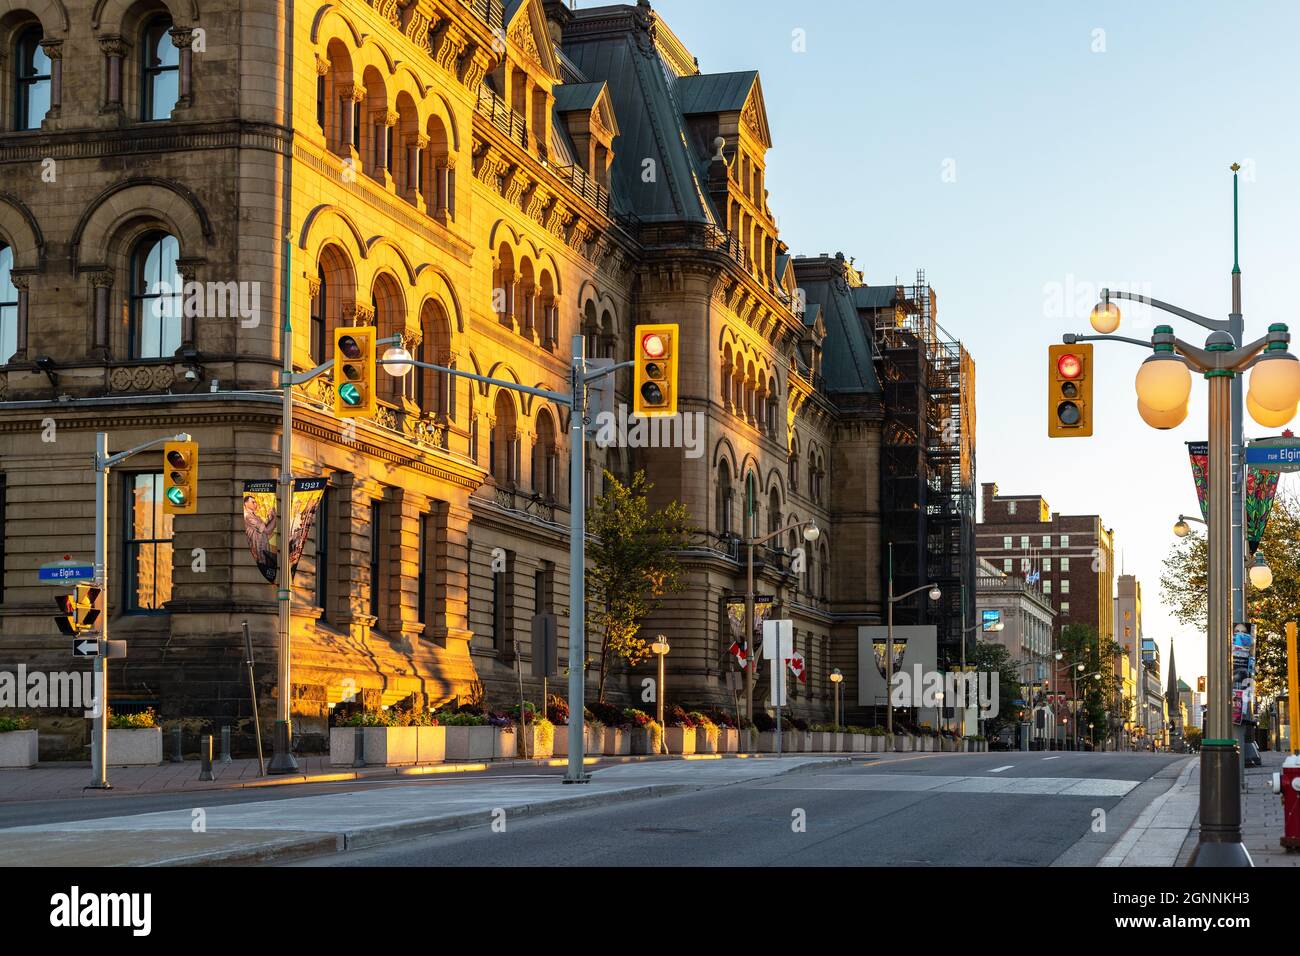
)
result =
(430, 744)
(135, 747)
(505, 743)
(902, 743)
(18, 748)
(728, 740)
(471, 743)
(560, 746)
(385, 747)
(840, 742)
(646, 741)
(791, 742)
(680, 740)
(617, 742)
(855, 743)
(535, 746)
(593, 738)
(706, 740)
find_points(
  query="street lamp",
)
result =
(660, 649)
(810, 534)
(890, 600)
(837, 679)
(1181, 528)
(1261, 575)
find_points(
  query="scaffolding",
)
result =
(928, 463)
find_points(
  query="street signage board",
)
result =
(989, 618)
(85, 647)
(1274, 454)
(62, 572)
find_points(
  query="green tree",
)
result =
(991, 658)
(633, 552)
(1098, 687)
(1184, 585)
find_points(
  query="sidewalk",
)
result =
(258, 831)
(1166, 831)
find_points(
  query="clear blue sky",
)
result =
(1074, 169)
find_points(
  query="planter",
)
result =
(617, 741)
(471, 743)
(680, 740)
(902, 742)
(790, 742)
(646, 741)
(706, 740)
(855, 743)
(560, 745)
(728, 740)
(505, 743)
(593, 739)
(18, 748)
(384, 746)
(535, 746)
(136, 747)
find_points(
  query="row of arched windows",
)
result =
(524, 295)
(749, 394)
(35, 74)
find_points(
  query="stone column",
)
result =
(416, 145)
(21, 283)
(384, 121)
(114, 50)
(449, 528)
(54, 50)
(189, 270)
(102, 284)
(402, 554)
(183, 40)
(449, 186)
(350, 98)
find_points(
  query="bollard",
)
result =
(205, 757)
(225, 745)
(359, 748)
(177, 756)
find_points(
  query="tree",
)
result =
(1097, 685)
(634, 564)
(991, 658)
(1184, 584)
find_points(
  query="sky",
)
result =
(1026, 154)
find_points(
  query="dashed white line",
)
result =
(1000, 769)
(1057, 757)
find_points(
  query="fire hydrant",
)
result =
(1287, 783)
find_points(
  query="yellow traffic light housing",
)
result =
(354, 372)
(180, 477)
(654, 388)
(79, 611)
(1069, 390)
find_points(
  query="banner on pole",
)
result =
(735, 608)
(262, 526)
(1257, 498)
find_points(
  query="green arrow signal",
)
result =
(176, 495)
(350, 394)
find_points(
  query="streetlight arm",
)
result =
(1190, 518)
(1070, 338)
(754, 542)
(514, 386)
(1214, 325)
(1204, 360)
(123, 455)
(907, 594)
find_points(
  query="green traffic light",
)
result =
(176, 495)
(349, 394)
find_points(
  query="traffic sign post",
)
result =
(63, 572)
(1274, 454)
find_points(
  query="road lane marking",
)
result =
(1000, 769)
(919, 783)
(1057, 757)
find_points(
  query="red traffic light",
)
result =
(653, 345)
(1069, 365)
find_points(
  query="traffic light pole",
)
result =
(103, 465)
(576, 401)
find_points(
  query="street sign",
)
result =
(1274, 454)
(778, 645)
(85, 647)
(61, 572)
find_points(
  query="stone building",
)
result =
(483, 179)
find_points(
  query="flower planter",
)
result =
(680, 740)
(593, 738)
(617, 741)
(902, 743)
(505, 743)
(646, 740)
(791, 742)
(855, 743)
(430, 744)
(706, 740)
(18, 748)
(471, 743)
(728, 740)
(539, 745)
(133, 747)
(384, 746)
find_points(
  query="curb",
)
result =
(1129, 839)
(367, 837)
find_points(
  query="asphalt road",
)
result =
(1028, 809)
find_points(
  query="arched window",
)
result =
(751, 506)
(160, 70)
(545, 458)
(826, 567)
(390, 319)
(726, 374)
(8, 306)
(794, 465)
(318, 321)
(31, 80)
(437, 390)
(773, 511)
(155, 321)
(503, 447)
(550, 322)
(503, 284)
(724, 498)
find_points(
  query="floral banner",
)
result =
(1261, 487)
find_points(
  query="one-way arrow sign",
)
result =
(85, 648)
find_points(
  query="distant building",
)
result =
(1128, 663)
(1151, 701)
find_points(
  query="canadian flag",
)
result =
(739, 653)
(797, 668)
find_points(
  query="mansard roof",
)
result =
(847, 353)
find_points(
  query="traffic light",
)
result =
(180, 477)
(1069, 390)
(1200, 684)
(80, 610)
(654, 390)
(354, 372)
